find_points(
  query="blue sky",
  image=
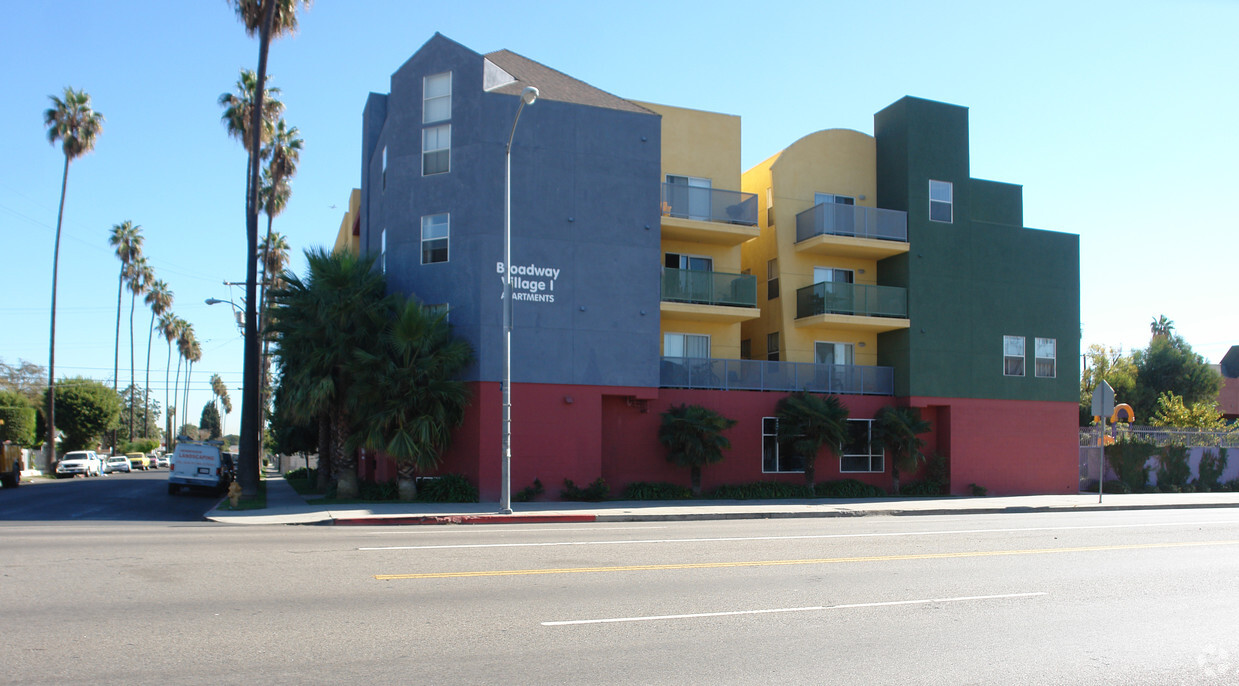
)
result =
(1116, 117)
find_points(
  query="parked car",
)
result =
(139, 461)
(84, 462)
(117, 463)
(161, 460)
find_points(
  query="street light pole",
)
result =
(528, 96)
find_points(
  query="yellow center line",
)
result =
(816, 561)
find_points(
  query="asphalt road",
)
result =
(1136, 597)
(129, 497)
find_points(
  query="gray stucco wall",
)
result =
(584, 206)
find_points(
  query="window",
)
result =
(689, 197)
(1013, 356)
(384, 167)
(686, 345)
(383, 251)
(436, 149)
(941, 201)
(771, 458)
(829, 275)
(435, 231)
(828, 352)
(832, 199)
(772, 279)
(861, 453)
(437, 97)
(688, 262)
(436, 310)
(746, 348)
(1045, 350)
(772, 346)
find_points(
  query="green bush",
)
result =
(300, 473)
(142, 445)
(656, 490)
(1117, 487)
(847, 488)
(1173, 468)
(761, 490)
(922, 487)
(19, 422)
(449, 488)
(592, 493)
(978, 491)
(1128, 458)
(528, 493)
(1212, 465)
(378, 490)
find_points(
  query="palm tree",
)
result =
(73, 123)
(899, 429)
(239, 110)
(184, 336)
(169, 325)
(193, 353)
(266, 19)
(159, 299)
(694, 437)
(409, 393)
(126, 238)
(220, 391)
(1161, 327)
(140, 277)
(320, 323)
(807, 422)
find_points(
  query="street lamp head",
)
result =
(529, 95)
(213, 301)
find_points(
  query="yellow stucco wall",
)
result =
(345, 240)
(724, 338)
(701, 144)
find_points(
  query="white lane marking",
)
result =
(805, 537)
(815, 608)
(446, 530)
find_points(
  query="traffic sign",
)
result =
(1103, 400)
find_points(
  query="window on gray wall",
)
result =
(436, 229)
(437, 97)
(436, 149)
(383, 251)
(1046, 351)
(1013, 356)
(941, 201)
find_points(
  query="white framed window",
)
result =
(689, 196)
(772, 279)
(1045, 352)
(436, 149)
(772, 460)
(861, 453)
(941, 201)
(438, 309)
(384, 167)
(1013, 356)
(832, 275)
(833, 199)
(437, 97)
(694, 263)
(436, 229)
(829, 352)
(686, 345)
(383, 251)
(772, 346)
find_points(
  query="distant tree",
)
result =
(1171, 412)
(26, 379)
(899, 430)
(190, 431)
(209, 425)
(1161, 327)
(73, 123)
(87, 409)
(140, 277)
(18, 415)
(126, 238)
(694, 438)
(159, 299)
(1170, 365)
(1117, 369)
(145, 412)
(807, 422)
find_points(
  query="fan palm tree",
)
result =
(409, 392)
(694, 438)
(320, 323)
(139, 279)
(169, 325)
(808, 421)
(898, 429)
(1161, 327)
(193, 354)
(265, 19)
(184, 336)
(76, 126)
(159, 299)
(126, 238)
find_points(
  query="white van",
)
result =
(200, 464)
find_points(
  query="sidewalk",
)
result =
(286, 506)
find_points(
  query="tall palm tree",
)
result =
(159, 299)
(899, 430)
(220, 391)
(1161, 327)
(694, 438)
(193, 353)
(273, 254)
(266, 19)
(239, 111)
(184, 335)
(76, 125)
(168, 325)
(140, 277)
(126, 238)
(409, 393)
(808, 421)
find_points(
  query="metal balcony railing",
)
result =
(851, 298)
(709, 288)
(760, 375)
(852, 220)
(709, 204)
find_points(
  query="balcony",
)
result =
(759, 375)
(708, 215)
(709, 296)
(854, 306)
(852, 231)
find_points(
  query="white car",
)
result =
(117, 463)
(84, 462)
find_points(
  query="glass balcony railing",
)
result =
(851, 298)
(759, 375)
(709, 288)
(852, 220)
(709, 204)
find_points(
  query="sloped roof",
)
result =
(555, 85)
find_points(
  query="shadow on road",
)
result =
(137, 497)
